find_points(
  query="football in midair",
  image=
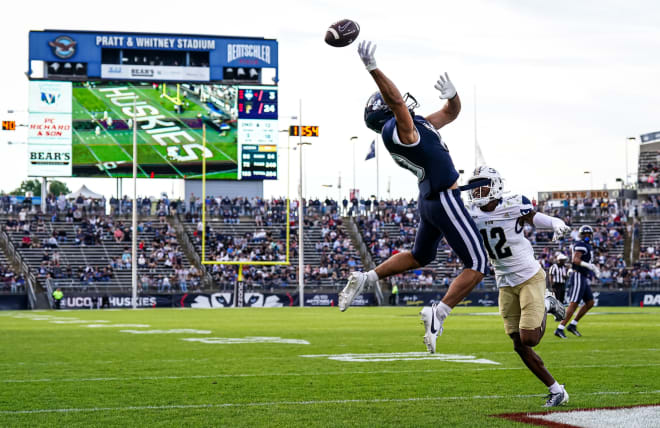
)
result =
(342, 33)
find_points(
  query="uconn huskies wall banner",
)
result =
(210, 301)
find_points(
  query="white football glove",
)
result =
(446, 88)
(366, 53)
(592, 267)
(561, 231)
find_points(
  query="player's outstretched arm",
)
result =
(452, 107)
(542, 220)
(404, 123)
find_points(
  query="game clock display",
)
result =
(257, 103)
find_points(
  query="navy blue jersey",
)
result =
(428, 159)
(587, 255)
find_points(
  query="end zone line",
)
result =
(243, 375)
(304, 403)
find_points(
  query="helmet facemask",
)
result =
(377, 112)
(491, 190)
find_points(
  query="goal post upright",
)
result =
(242, 263)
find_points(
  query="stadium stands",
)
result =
(255, 230)
(76, 245)
(92, 253)
(391, 227)
(10, 282)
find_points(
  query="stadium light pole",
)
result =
(591, 181)
(301, 222)
(353, 139)
(301, 245)
(134, 222)
(628, 139)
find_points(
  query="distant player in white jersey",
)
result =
(521, 280)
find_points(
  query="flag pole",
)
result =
(476, 144)
(377, 169)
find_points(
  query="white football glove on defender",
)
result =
(446, 88)
(557, 225)
(561, 231)
(366, 53)
(592, 267)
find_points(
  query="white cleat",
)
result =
(356, 283)
(554, 400)
(432, 325)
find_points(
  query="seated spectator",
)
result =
(51, 242)
(26, 241)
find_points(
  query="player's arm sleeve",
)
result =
(397, 140)
(542, 220)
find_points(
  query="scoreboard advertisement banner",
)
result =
(155, 72)
(49, 129)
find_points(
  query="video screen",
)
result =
(170, 120)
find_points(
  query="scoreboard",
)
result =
(225, 84)
(257, 103)
(258, 162)
(257, 132)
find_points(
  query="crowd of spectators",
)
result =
(267, 241)
(387, 227)
(10, 281)
(648, 170)
(160, 262)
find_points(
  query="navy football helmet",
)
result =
(585, 232)
(377, 112)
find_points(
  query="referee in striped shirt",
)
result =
(558, 275)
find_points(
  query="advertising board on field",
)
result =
(211, 301)
(12, 302)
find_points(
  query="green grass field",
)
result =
(115, 145)
(68, 374)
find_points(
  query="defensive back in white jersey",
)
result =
(510, 253)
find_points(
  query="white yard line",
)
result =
(306, 403)
(243, 375)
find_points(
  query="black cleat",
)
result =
(560, 334)
(573, 329)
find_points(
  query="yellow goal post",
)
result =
(240, 263)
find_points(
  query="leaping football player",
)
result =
(580, 282)
(415, 144)
(520, 280)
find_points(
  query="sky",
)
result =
(557, 87)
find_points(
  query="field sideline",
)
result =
(59, 371)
